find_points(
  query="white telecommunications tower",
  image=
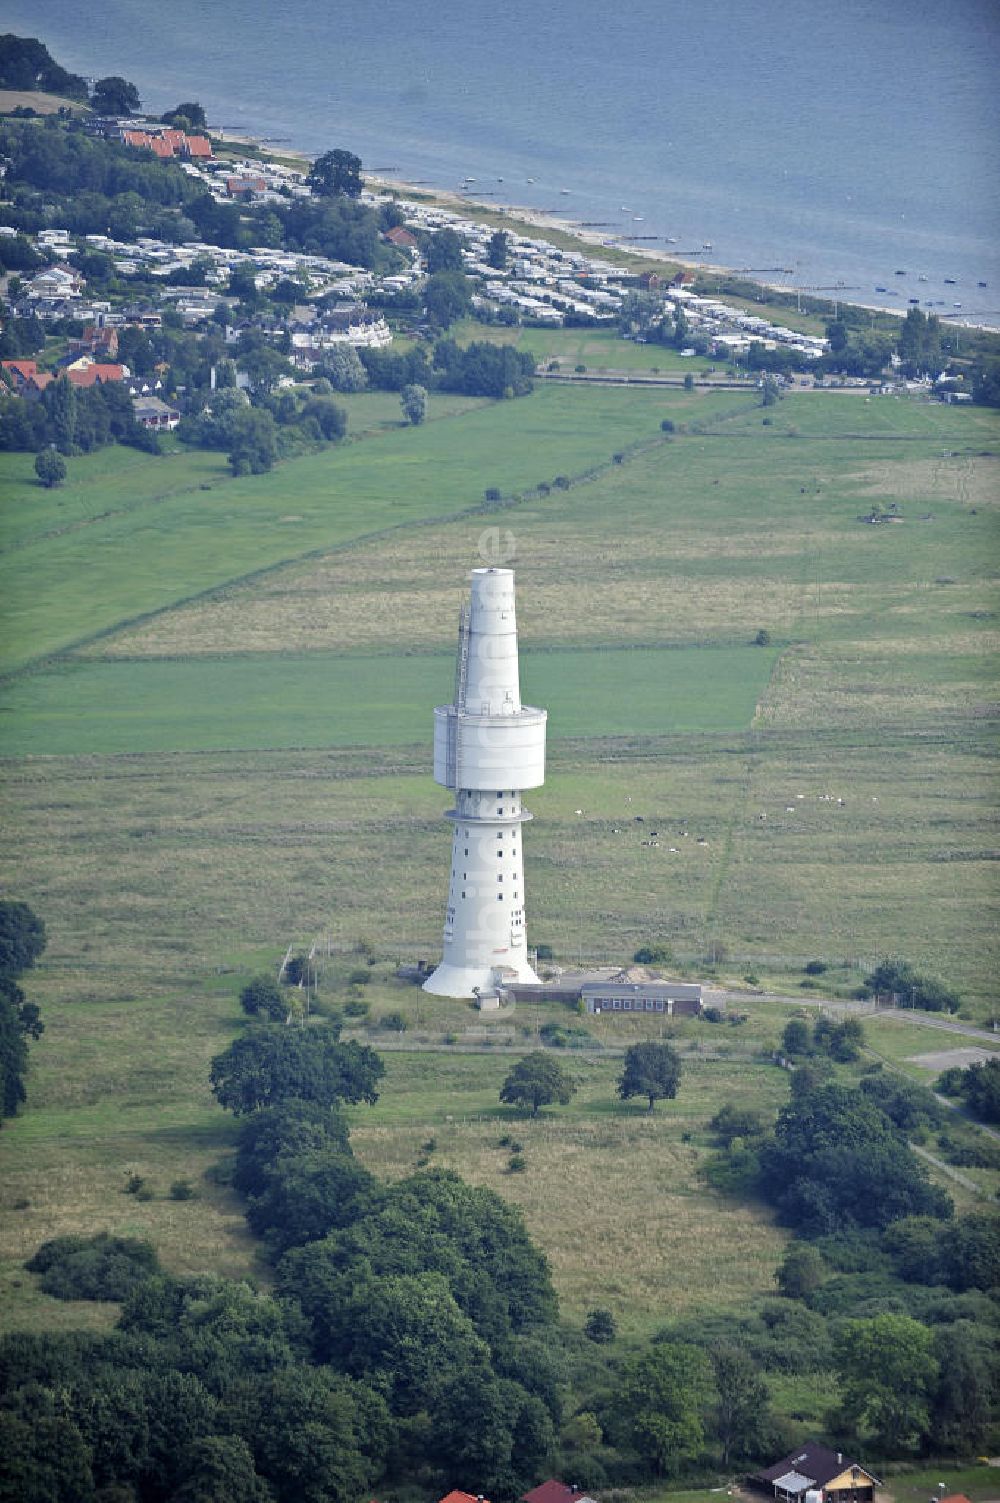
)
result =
(488, 748)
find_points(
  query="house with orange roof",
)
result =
(198, 146)
(29, 381)
(95, 374)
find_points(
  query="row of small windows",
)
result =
(630, 1004)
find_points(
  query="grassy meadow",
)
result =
(216, 742)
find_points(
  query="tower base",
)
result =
(465, 980)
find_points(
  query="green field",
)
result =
(235, 756)
(321, 699)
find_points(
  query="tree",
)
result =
(496, 251)
(964, 1405)
(115, 96)
(254, 442)
(651, 1070)
(190, 112)
(887, 1372)
(600, 1327)
(287, 1130)
(660, 1403)
(795, 1038)
(741, 1415)
(770, 392)
(329, 417)
(537, 1080)
(307, 1195)
(59, 402)
(443, 251)
(22, 940)
(413, 400)
(271, 1064)
(447, 296)
(263, 996)
(800, 1271)
(336, 174)
(22, 937)
(343, 369)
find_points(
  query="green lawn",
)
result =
(321, 699)
(171, 541)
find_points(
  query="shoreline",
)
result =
(454, 201)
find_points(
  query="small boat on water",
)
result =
(921, 278)
(637, 219)
(899, 273)
(982, 284)
(707, 245)
(564, 191)
(671, 239)
(881, 289)
(913, 300)
(950, 282)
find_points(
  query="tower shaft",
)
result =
(488, 748)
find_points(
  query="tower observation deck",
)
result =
(488, 748)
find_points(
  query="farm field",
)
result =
(235, 756)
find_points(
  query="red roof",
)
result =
(23, 368)
(175, 137)
(400, 236)
(457, 1497)
(135, 138)
(159, 147)
(553, 1492)
(198, 146)
(96, 373)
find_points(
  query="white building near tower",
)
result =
(488, 748)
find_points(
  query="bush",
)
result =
(393, 1022)
(763, 639)
(50, 467)
(654, 955)
(518, 1163)
(99, 1268)
(814, 967)
(359, 977)
(600, 1327)
(182, 1189)
(357, 1007)
(492, 494)
(668, 426)
(263, 997)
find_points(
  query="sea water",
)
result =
(817, 144)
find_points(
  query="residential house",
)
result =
(458, 1497)
(29, 381)
(150, 412)
(401, 238)
(56, 282)
(556, 1492)
(815, 1474)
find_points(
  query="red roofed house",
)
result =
(96, 341)
(242, 187)
(198, 146)
(136, 138)
(21, 371)
(401, 237)
(160, 148)
(29, 381)
(96, 375)
(555, 1492)
(457, 1497)
(175, 139)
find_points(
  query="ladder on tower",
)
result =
(462, 663)
(458, 701)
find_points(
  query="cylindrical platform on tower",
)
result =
(488, 747)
